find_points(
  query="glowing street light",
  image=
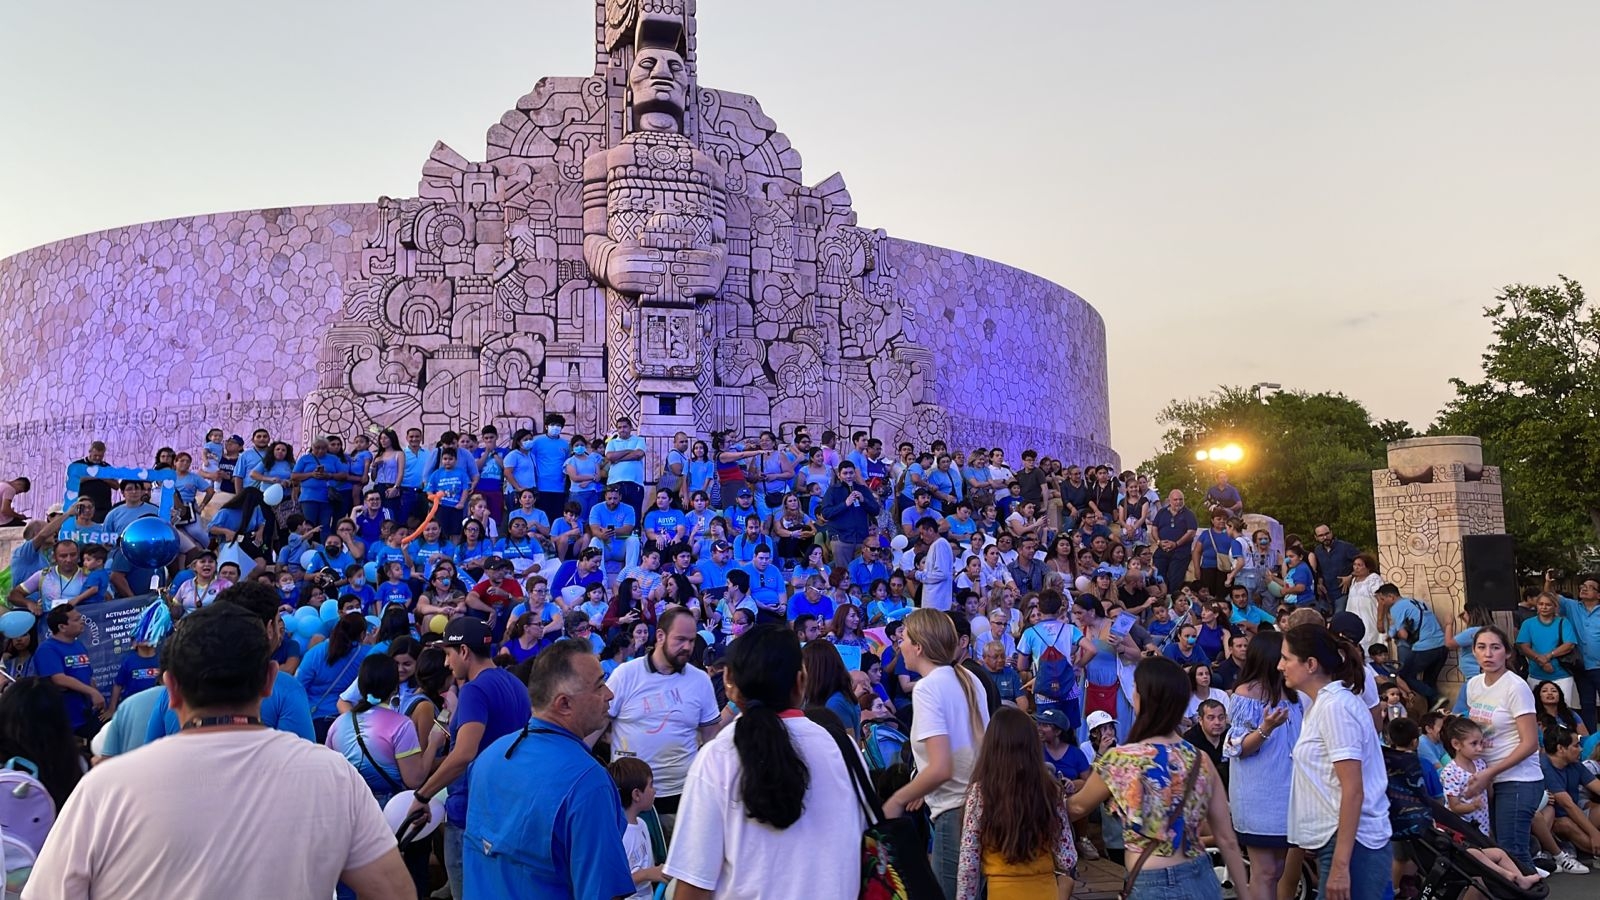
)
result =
(1228, 453)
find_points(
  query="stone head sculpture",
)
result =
(659, 81)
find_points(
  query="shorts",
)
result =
(1268, 841)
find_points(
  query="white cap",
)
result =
(1100, 717)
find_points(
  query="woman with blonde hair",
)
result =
(948, 720)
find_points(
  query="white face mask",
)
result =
(527, 445)
(553, 430)
(358, 581)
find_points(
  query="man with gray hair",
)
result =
(546, 819)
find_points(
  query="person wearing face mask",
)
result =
(550, 452)
(520, 473)
(583, 472)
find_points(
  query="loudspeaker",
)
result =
(1490, 562)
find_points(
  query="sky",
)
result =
(1323, 195)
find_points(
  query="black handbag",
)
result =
(894, 852)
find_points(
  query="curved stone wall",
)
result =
(147, 335)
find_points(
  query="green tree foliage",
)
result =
(1308, 458)
(1535, 411)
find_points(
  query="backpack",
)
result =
(1053, 676)
(1410, 815)
(26, 814)
(886, 744)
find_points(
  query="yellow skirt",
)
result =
(1019, 881)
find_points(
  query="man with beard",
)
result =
(663, 709)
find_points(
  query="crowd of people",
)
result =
(598, 684)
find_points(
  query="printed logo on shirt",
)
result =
(76, 660)
(151, 674)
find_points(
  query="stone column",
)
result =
(1435, 491)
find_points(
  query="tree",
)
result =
(1308, 458)
(1536, 412)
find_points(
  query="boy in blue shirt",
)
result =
(95, 576)
(454, 481)
(64, 661)
(139, 671)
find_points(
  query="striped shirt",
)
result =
(1336, 728)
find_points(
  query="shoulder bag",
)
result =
(894, 852)
(1188, 788)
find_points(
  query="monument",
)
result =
(1435, 491)
(633, 243)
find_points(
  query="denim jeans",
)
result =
(947, 849)
(1421, 671)
(453, 836)
(1192, 880)
(1511, 811)
(1588, 686)
(318, 513)
(1371, 874)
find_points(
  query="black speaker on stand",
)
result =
(1490, 564)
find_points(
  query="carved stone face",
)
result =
(660, 81)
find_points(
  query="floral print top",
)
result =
(1146, 781)
(969, 862)
(1454, 777)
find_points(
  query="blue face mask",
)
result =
(580, 451)
(527, 445)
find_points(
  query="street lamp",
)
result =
(1261, 387)
(1225, 453)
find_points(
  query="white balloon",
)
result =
(273, 495)
(97, 746)
(394, 812)
(1083, 583)
(899, 542)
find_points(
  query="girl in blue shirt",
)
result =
(583, 471)
(702, 470)
(330, 667)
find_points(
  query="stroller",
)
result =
(1436, 840)
(1447, 870)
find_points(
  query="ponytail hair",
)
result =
(1455, 730)
(764, 666)
(935, 634)
(1337, 655)
(377, 679)
(347, 632)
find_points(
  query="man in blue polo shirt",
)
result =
(317, 473)
(1584, 614)
(532, 835)
(490, 704)
(868, 568)
(65, 661)
(414, 477)
(612, 524)
(1175, 529)
(1414, 626)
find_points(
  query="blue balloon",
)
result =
(16, 623)
(330, 610)
(149, 543)
(307, 615)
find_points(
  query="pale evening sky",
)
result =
(1322, 195)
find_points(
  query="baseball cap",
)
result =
(496, 562)
(469, 632)
(1348, 624)
(745, 492)
(721, 545)
(1104, 570)
(236, 439)
(1099, 717)
(1052, 716)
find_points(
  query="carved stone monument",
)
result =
(631, 243)
(1435, 491)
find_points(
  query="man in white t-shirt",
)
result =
(662, 708)
(937, 572)
(209, 813)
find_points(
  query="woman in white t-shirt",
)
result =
(772, 785)
(1338, 765)
(948, 717)
(1502, 704)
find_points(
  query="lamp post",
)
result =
(1261, 387)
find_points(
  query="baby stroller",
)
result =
(1447, 870)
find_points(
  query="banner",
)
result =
(108, 635)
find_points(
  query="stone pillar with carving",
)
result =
(655, 236)
(1435, 491)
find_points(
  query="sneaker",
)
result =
(1566, 862)
(1086, 849)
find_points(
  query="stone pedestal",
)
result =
(1435, 491)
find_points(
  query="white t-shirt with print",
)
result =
(939, 706)
(657, 717)
(712, 830)
(636, 843)
(216, 810)
(1495, 707)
